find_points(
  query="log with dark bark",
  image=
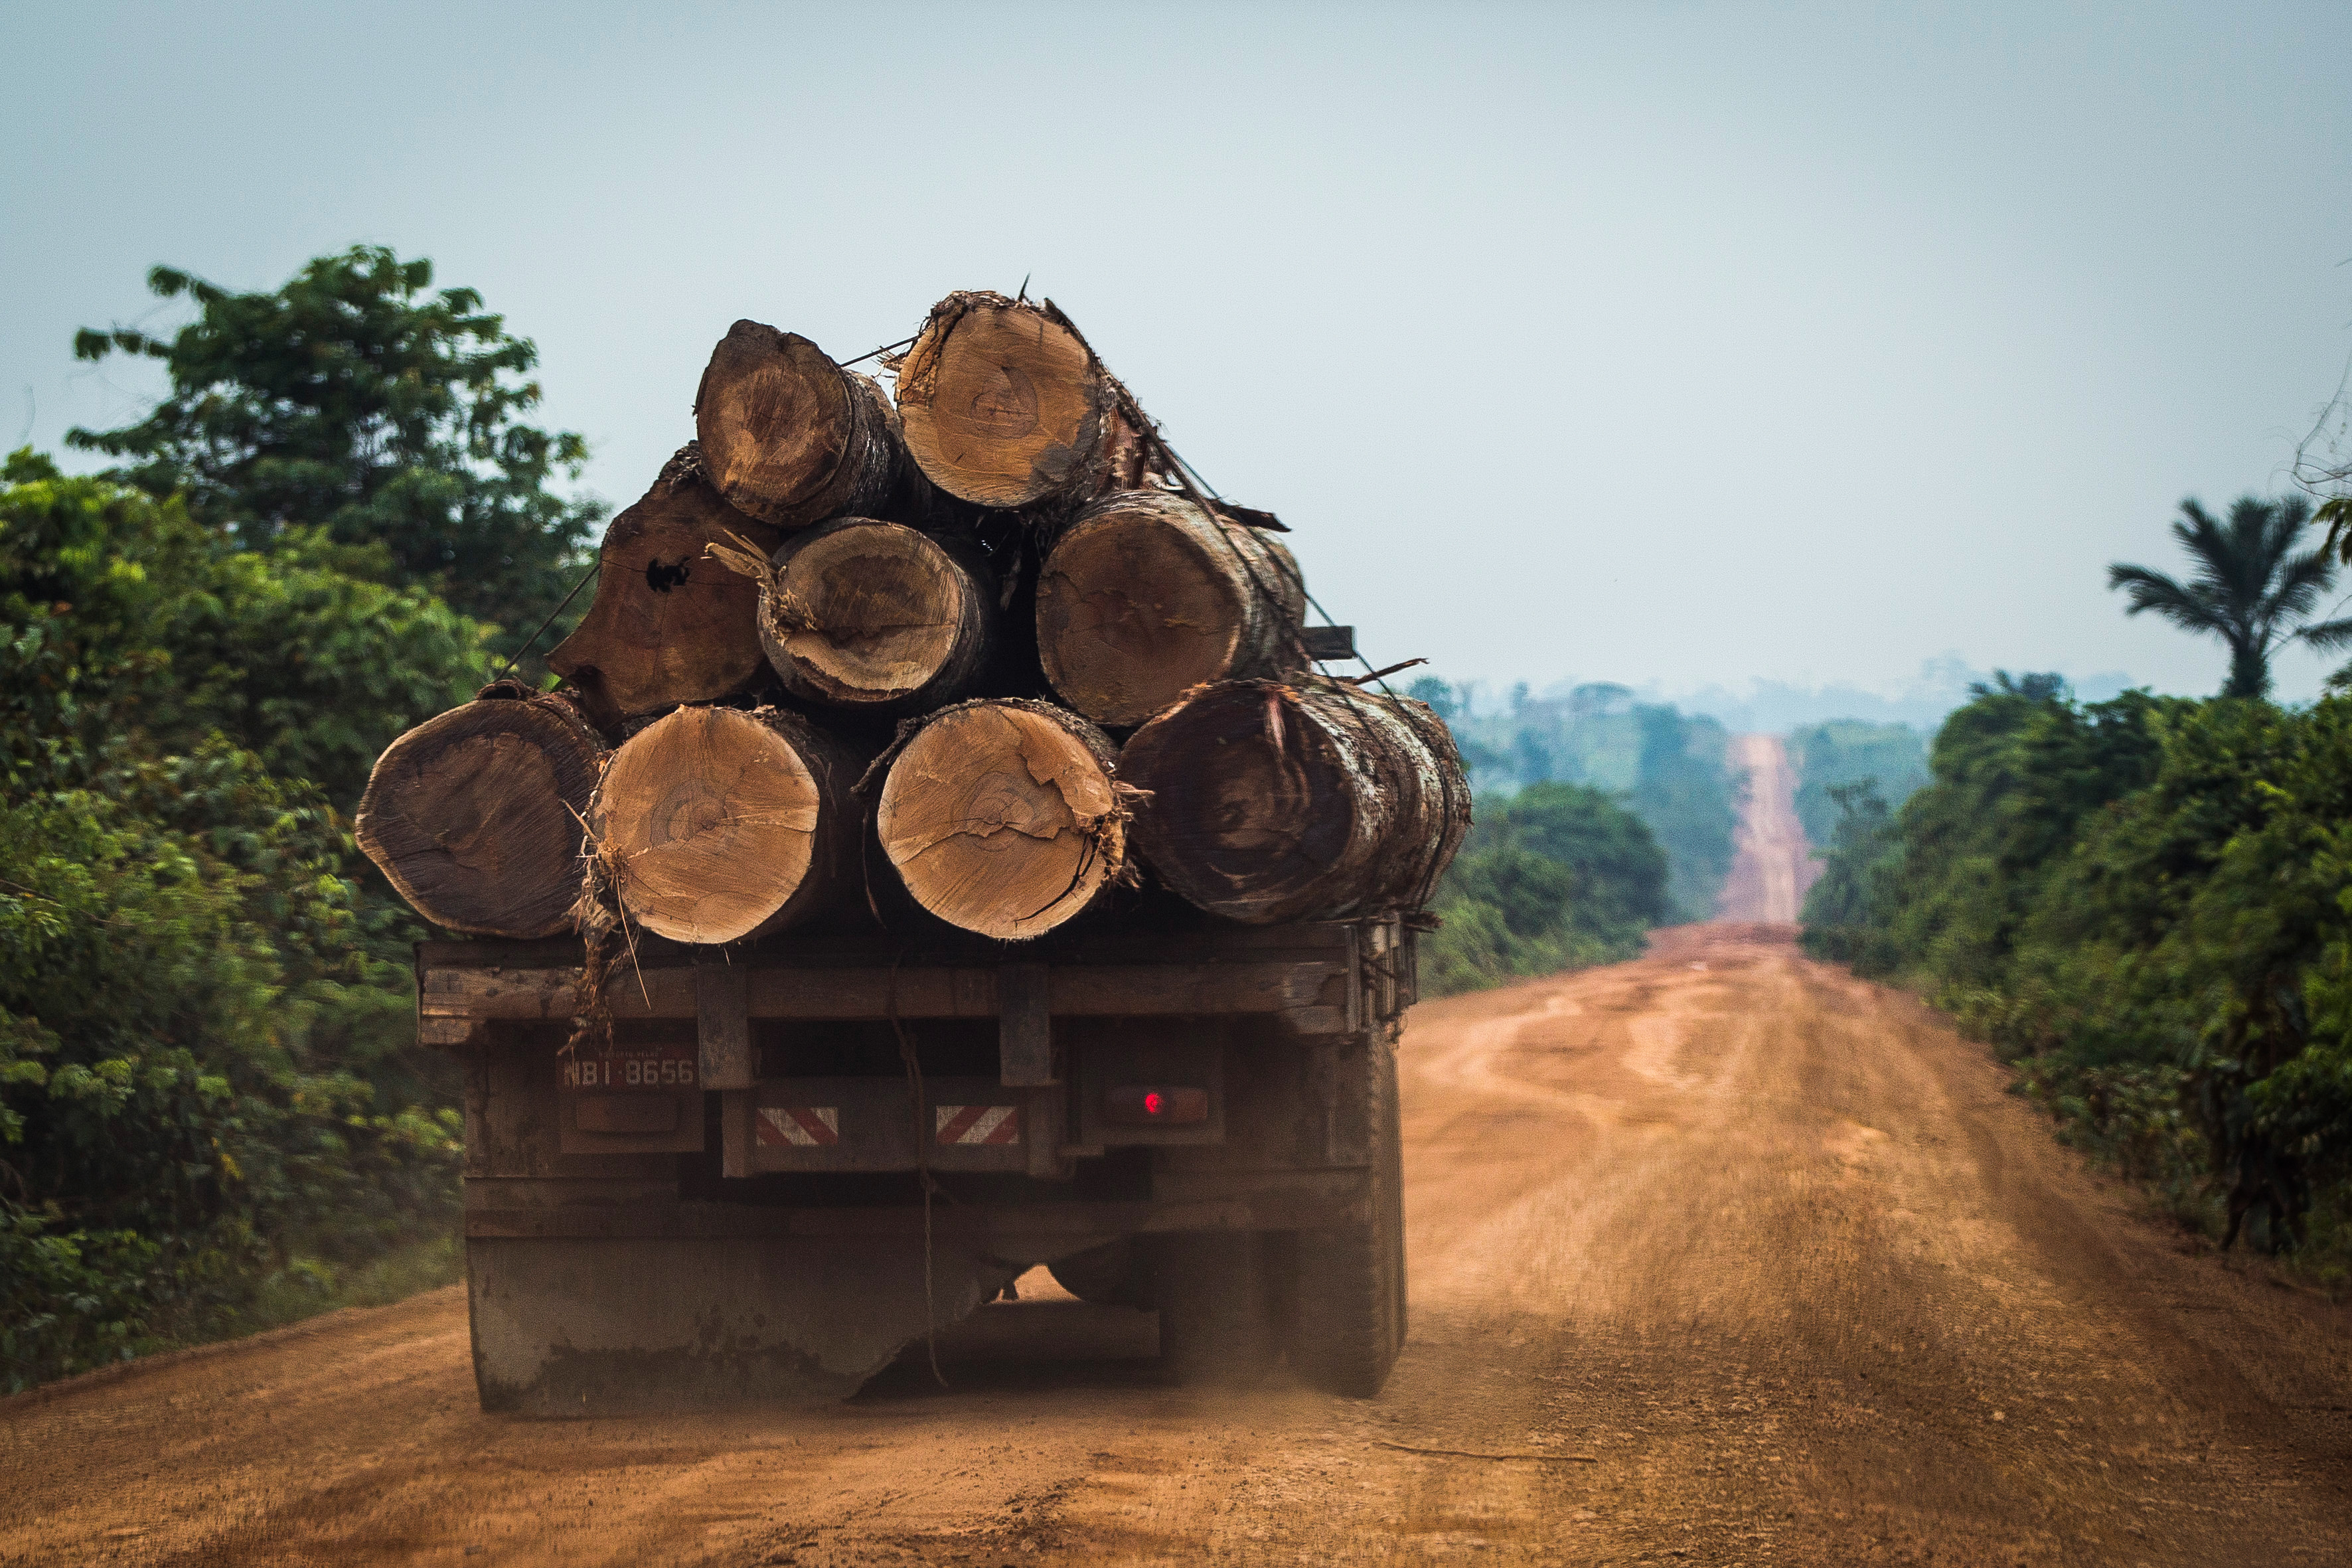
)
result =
(1004, 403)
(1265, 802)
(1003, 816)
(474, 816)
(792, 439)
(1145, 596)
(717, 824)
(873, 618)
(667, 626)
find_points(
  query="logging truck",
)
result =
(945, 855)
(797, 1159)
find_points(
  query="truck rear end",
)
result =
(797, 1157)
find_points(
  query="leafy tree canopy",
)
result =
(2252, 588)
(357, 407)
(209, 1074)
(132, 627)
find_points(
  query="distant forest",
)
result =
(1667, 768)
(1892, 759)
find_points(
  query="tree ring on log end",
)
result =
(1000, 817)
(787, 436)
(1002, 403)
(714, 824)
(1145, 596)
(474, 815)
(869, 615)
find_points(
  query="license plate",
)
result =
(671, 1065)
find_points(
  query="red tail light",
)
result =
(1155, 1105)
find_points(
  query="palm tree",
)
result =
(2251, 586)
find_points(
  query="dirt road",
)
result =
(1773, 868)
(1738, 1260)
(1720, 1257)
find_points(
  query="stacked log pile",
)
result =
(990, 641)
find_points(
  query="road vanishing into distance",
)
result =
(1719, 1257)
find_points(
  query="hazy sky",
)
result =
(1678, 344)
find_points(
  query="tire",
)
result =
(1348, 1310)
(1217, 1323)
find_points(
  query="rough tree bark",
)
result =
(667, 626)
(1004, 403)
(1145, 596)
(1264, 802)
(717, 824)
(791, 438)
(872, 617)
(1003, 816)
(474, 816)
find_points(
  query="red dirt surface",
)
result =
(1772, 866)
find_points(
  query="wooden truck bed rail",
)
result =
(1328, 978)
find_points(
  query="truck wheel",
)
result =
(1215, 1293)
(1347, 1312)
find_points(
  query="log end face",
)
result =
(709, 822)
(1134, 609)
(870, 615)
(1249, 809)
(471, 817)
(668, 624)
(1002, 404)
(772, 418)
(1000, 818)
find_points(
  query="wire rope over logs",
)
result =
(1145, 594)
(715, 824)
(1004, 816)
(1004, 405)
(1264, 802)
(873, 618)
(474, 816)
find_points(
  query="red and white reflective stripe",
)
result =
(805, 1125)
(979, 1123)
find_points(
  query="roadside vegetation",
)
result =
(214, 1115)
(2146, 904)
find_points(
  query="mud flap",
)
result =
(577, 1327)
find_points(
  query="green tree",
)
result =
(355, 406)
(208, 1071)
(2251, 588)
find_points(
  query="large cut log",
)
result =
(718, 824)
(1264, 802)
(792, 439)
(1004, 403)
(667, 626)
(1004, 817)
(873, 618)
(474, 816)
(1145, 596)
